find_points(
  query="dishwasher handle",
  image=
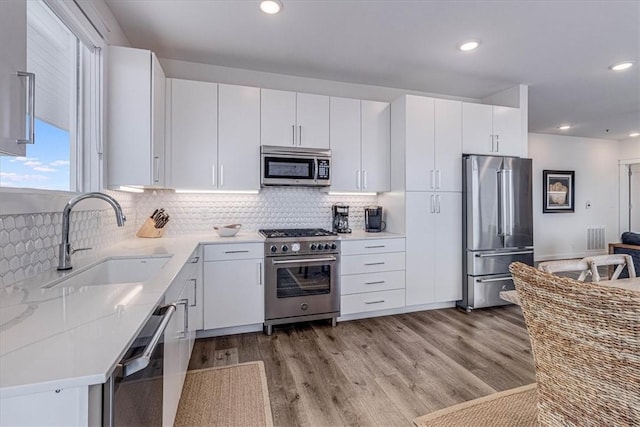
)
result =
(131, 366)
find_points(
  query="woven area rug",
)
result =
(234, 395)
(515, 407)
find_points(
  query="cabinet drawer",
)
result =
(372, 282)
(371, 301)
(371, 246)
(358, 264)
(230, 251)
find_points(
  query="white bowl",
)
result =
(228, 230)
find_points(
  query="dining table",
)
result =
(632, 283)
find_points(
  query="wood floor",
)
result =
(383, 371)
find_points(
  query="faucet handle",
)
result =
(74, 250)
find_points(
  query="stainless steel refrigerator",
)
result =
(497, 221)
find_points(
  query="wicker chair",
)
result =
(567, 266)
(585, 339)
(619, 261)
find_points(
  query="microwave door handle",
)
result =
(315, 170)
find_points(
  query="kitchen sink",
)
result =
(114, 270)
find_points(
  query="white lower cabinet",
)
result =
(372, 275)
(233, 285)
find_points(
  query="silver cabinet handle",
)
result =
(494, 279)
(433, 205)
(185, 318)
(213, 175)
(236, 252)
(358, 179)
(374, 247)
(156, 168)
(438, 179)
(374, 302)
(195, 292)
(433, 179)
(374, 263)
(221, 175)
(492, 143)
(296, 261)
(293, 134)
(379, 282)
(437, 203)
(31, 107)
(364, 180)
(503, 254)
(260, 273)
(300, 135)
(194, 260)
(132, 366)
(497, 143)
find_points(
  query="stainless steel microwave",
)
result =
(297, 166)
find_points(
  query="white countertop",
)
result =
(62, 337)
(363, 235)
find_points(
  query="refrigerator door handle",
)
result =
(489, 255)
(494, 279)
(510, 203)
(502, 208)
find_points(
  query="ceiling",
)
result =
(560, 48)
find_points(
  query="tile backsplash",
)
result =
(29, 242)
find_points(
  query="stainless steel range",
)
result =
(302, 276)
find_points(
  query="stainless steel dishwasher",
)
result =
(133, 394)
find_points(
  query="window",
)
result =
(59, 160)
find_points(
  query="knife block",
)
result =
(148, 229)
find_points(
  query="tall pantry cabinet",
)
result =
(426, 185)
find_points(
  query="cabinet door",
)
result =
(448, 145)
(447, 243)
(129, 117)
(233, 293)
(477, 129)
(345, 144)
(376, 146)
(175, 346)
(420, 169)
(420, 255)
(507, 126)
(158, 101)
(193, 133)
(13, 58)
(239, 137)
(312, 121)
(278, 118)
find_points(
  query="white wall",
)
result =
(595, 162)
(629, 149)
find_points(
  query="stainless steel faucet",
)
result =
(64, 249)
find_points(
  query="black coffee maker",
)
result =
(373, 222)
(341, 219)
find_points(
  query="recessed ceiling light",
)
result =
(270, 6)
(634, 134)
(468, 45)
(564, 127)
(621, 66)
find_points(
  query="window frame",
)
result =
(88, 128)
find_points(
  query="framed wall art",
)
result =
(558, 191)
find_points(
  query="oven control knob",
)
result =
(304, 306)
(285, 248)
(334, 246)
(313, 247)
(274, 248)
(326, 246)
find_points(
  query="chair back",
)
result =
(620, 261)
(566, 266)
(586, 348)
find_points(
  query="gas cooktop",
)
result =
(284, 233)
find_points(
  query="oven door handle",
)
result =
(136, 364)
(297, 261)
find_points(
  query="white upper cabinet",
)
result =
(432, 133)
(492, 130)
(238, 137)
(345, 144)
(376, 146)
(291, 119)
(214, 136)
(13, 59)
(136, 122)
(360, 144)
(192, 112)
